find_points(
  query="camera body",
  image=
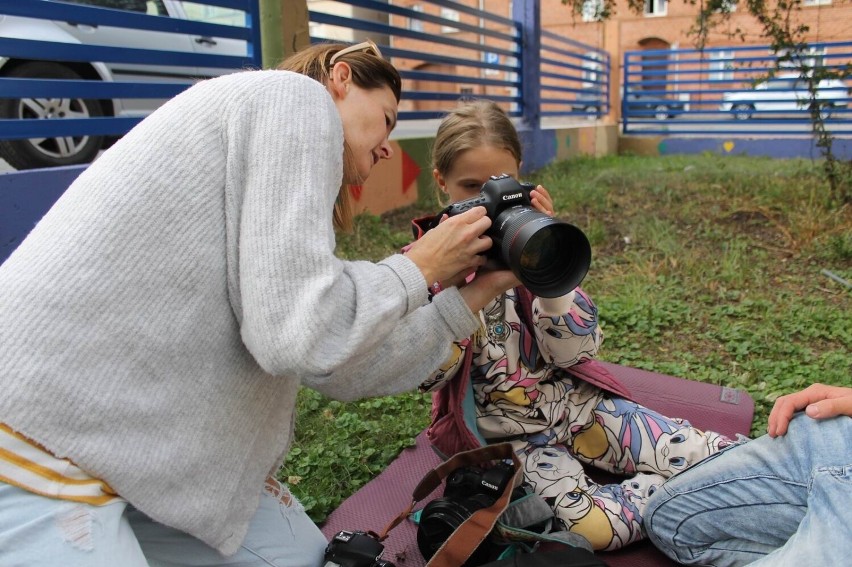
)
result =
(549, 256)
(354, 549)
(499, 193)
(466, 490)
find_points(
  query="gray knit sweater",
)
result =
(156, 324)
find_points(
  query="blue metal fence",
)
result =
(445, 50)
(735, 90)
(102, 79)
(575, 78)
(104, 68)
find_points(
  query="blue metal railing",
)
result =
(94, 67)
(735, 90)
(445, 51)
(575, 78)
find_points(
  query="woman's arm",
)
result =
(303, 311)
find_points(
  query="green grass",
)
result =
(705, 267)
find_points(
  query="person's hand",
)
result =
(452, 248)
(541, 200)
(487, 285)
(819, 402)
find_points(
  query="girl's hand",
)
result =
(541, 200)
(486, 286)
(453, 247)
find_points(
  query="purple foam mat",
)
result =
(376, 504)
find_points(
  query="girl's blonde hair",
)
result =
(473, 124)
(369, 71)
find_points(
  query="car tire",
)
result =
(742, 111)
(48, 152)
(661, 112)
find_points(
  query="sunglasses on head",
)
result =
(367, 46)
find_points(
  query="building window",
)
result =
(592, 70)
(449, 14)
(655, 7)
(722, 66)
(416, 24)
(727, 7)
(815, 2)
(593, 10)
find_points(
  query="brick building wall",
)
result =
(624, 31)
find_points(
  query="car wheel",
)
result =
(49, 152)
(742, 111)
(661, 112)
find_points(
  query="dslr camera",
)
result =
(549, 256)
(466, 490)
(354, 549)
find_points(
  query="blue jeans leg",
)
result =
(36, 531)
(782, 501)
(280, 535)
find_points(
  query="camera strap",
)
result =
(464, 540)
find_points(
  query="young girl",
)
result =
(528, 364)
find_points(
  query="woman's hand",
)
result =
(541, 200)
(454, 248)
(819, 402)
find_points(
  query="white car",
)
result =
(783, 94)
(70, 150)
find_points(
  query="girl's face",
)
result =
(368, 117)
(472, 168)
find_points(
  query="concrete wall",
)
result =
(781, 148)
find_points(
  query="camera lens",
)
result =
(441, 517)
(549, 256)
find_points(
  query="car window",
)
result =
(214, 14)
(129, 5)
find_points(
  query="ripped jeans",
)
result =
(44, 532)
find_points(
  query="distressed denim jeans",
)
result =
(776, 502)
(43, 532)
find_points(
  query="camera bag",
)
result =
(518, 527)
(473, 531)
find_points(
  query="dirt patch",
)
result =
(765, 228)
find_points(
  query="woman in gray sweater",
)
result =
(156, 325)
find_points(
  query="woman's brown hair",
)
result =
(369, 71)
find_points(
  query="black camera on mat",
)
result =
(549, 256)
(354, 549)
(466, 490)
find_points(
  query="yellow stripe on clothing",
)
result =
(27, 465)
